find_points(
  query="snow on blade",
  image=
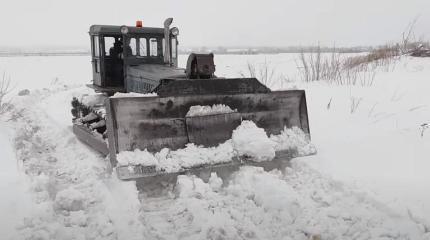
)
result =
(247, 141)
(173, 161)
(192, 156)
(136, 157)
(133, 94)
(209, 110)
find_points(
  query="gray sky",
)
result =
(218, 22)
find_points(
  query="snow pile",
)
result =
(209, 110)
(295, 141)
(133, 94)
(252, 142)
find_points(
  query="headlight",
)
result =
(174, 31)
(124, 29)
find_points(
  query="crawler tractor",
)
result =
(136, 59)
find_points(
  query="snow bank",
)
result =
(251, 141)
(209, 110)
(16, 200)
(133, 94)
(247, 141)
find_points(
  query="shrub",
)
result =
(5, 89)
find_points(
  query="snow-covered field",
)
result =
(369, 179)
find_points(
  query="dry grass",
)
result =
(385, 56)
(335, 68)
(5, 89)
(359, 69)
(264, 73)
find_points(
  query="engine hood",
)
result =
(145, 77)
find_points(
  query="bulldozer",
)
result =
(142, 98)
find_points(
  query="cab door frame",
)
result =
(95, 60)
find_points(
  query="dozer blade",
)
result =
(154, 123)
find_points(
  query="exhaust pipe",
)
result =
(167, 23)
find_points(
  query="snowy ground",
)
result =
(369, 179)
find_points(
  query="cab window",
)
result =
(133, 47)
(174, 47)
(153, 47)
(96, 48)
(109, 43)
(143, 51)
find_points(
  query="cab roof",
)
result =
(116, 30)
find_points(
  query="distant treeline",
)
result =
(274, 50)
(43, 53)
(216, 50)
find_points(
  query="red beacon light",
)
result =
(139, 23)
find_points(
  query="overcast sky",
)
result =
(218, 22)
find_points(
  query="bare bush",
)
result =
(5, 88)
(315, 67)
(264, 73)
(407, 43)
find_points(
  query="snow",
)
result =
(69, 199)
(136, 157)
(369, 179)
(251, 141)
(248, 141)
(93, 99)
(71, 194)
(295, 141)
(379, 147)
(133, 94)
(174, 161)
(209, 110)
(15, 202)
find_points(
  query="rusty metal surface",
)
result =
(144, 78)
(200, 66)
(145, 174)
(183, 87)
(210, 130)
(116, 30)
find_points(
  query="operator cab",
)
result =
(123, 56)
